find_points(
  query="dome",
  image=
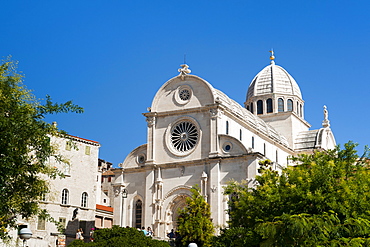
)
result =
(273, 79)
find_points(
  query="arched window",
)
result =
(227, 127)
(84, 200)
(252, 141)
(259, 107)
(252, 108)
(300, 110)
(65, 195)
(280, 105)
(277, 156)
(240, 135)
(138, 213)
(297, 109)
(233, 198)
(269, 105)
(264, 149)
(290, 105)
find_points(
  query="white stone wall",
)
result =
(163, 181)
(81, 177)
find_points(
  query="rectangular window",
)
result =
(69, 145)
(41, 223)
(67, 170)
(62, 222)
(87, 150)
(43, 197)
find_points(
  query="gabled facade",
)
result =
(198, 135)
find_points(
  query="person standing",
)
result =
(78, 234)
(149, 232)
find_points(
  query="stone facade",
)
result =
(197, 135)
(72, 199)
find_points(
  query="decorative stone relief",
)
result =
(326, 122)
(213, 189)
(215, 113)
(184, 70)
(182, 170)
(150, 121)
(117, 191)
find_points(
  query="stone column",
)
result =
(215, 197)
(158, 203)
(151, 147)
(118, 202)
(204, 187)
(148, 203)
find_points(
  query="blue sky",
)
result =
(111, 57)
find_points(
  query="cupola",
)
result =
(274, 90)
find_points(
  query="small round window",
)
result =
(184, 136)
(183, 94)
(227, 147)
(141, 159)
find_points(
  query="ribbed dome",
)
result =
(273, 79)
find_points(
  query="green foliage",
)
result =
(235, 237)
(194, 222)
(25, 147)
(118, 236)
(323, 201)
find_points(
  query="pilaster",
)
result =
(215, 114)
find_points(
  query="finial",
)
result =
(159, 177)
(326, 122)
(184, 70)
(272, 57)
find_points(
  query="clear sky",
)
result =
(111, 57)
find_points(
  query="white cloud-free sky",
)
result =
(111, 57)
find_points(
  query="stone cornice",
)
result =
(181, 111)
(198, 162)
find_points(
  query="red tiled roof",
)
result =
(109, 172)
(83, 139)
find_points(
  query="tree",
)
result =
(323, 201)
(118, 237)
(194, 221)
(25, 147)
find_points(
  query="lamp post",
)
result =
(124, 193)
(25, 234)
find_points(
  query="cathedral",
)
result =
(197, 135)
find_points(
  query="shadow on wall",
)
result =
(73, 225)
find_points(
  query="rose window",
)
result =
(184, 94)
(184, 136)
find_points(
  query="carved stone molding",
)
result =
(150, 121)
(215, 113)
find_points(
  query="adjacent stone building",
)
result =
(73, 199)
(198, 135)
